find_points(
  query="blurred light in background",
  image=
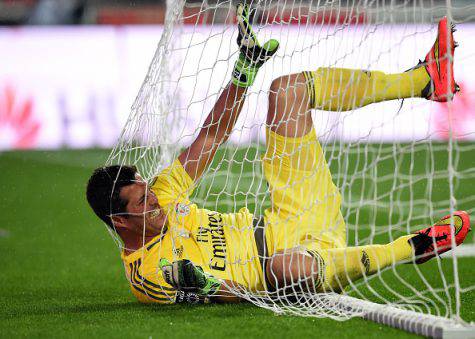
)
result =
(72, 86)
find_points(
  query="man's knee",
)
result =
(292, 270)
(278, 84)
(275, 271)
(278, 90)
(277, 99)
(286, 98)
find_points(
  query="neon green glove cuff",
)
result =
(244, 72)
(212, 286)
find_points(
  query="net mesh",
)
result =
(393, 165)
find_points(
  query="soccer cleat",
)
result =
(439, 64)
(437, 239)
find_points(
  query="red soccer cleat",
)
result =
(439, 63)
(437, 239)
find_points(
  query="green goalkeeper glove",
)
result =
(185, 276)
(252, 55)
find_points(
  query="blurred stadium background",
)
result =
(69, 72)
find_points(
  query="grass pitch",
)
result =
(61, 274)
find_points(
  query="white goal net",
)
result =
(399, 166)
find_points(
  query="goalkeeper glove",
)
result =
(185, 276)
(252, 55)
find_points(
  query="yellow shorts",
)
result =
(305, 207)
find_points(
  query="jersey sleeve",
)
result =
(173, 185)
(149, 286)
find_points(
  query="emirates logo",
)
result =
(18, 127)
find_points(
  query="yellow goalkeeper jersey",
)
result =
(222, 244)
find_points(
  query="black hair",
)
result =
(103, 190)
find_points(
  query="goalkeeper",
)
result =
(176, 252)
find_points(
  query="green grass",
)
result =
(61, 274)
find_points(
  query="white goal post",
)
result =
(394, 167)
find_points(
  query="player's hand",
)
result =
(252, 55)
(185, 276)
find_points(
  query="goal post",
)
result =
(414, 322)
(396, 164)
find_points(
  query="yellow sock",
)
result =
(342, 265)
(341, 89)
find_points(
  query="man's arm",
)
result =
(225, 294)
(185, 276)
(222, 118)
(215, 131)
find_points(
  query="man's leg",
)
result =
(289, 112)
(331, 269)
(305, 201)
(290, 100)
(342, 265)
(326, 270)
(335, 89)
(340, 89)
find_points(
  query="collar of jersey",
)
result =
(148, 246)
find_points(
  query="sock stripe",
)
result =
(310, 82)
(321, 268)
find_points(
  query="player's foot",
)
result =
(437, 239)
(439, 64)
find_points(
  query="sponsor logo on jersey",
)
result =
(213, 235)
(178, 251)
(182, 209)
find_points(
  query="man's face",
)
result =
(142, 208)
